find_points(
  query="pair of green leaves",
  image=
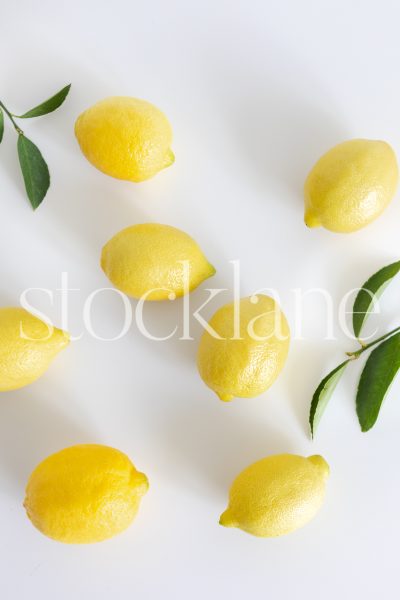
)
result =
(33, 166)
(381, 366)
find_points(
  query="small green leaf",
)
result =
(34, 170)
(1, 125)
(323, 394)
(379, 371)
(48, 106)
(370, 291)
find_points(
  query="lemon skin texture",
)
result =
(84, 494)
(146, 261)
(27, 347)
(350, 185)
(126, 138)
(244, 367)
(277, 495)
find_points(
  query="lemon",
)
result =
(153, 261)
(126, 138)
(276, 495)
(84, 494)
(248, 365)
(27, 347)
(350, 185)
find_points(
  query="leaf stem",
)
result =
(357, 353)
(9, 115)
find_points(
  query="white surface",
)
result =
(255, 91)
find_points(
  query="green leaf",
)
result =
(48, 106)
(1, 125)
(370, 292)
(379, 371)
(323, 394)
(34, 170)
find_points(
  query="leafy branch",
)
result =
(381, 367)
(33, 166)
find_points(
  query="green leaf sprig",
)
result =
(381, 367)
(33, 166)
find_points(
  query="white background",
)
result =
(255, 92)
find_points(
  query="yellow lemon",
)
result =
(84, 494)
(277, 495)
(350, 185)
(154, 262)
(126, 138)
(27, 347)
(245, 348)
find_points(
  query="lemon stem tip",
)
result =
(213, 270)
(169, 158)
(320, 462)
(225, 397)
(311, 220)
(226, 519)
